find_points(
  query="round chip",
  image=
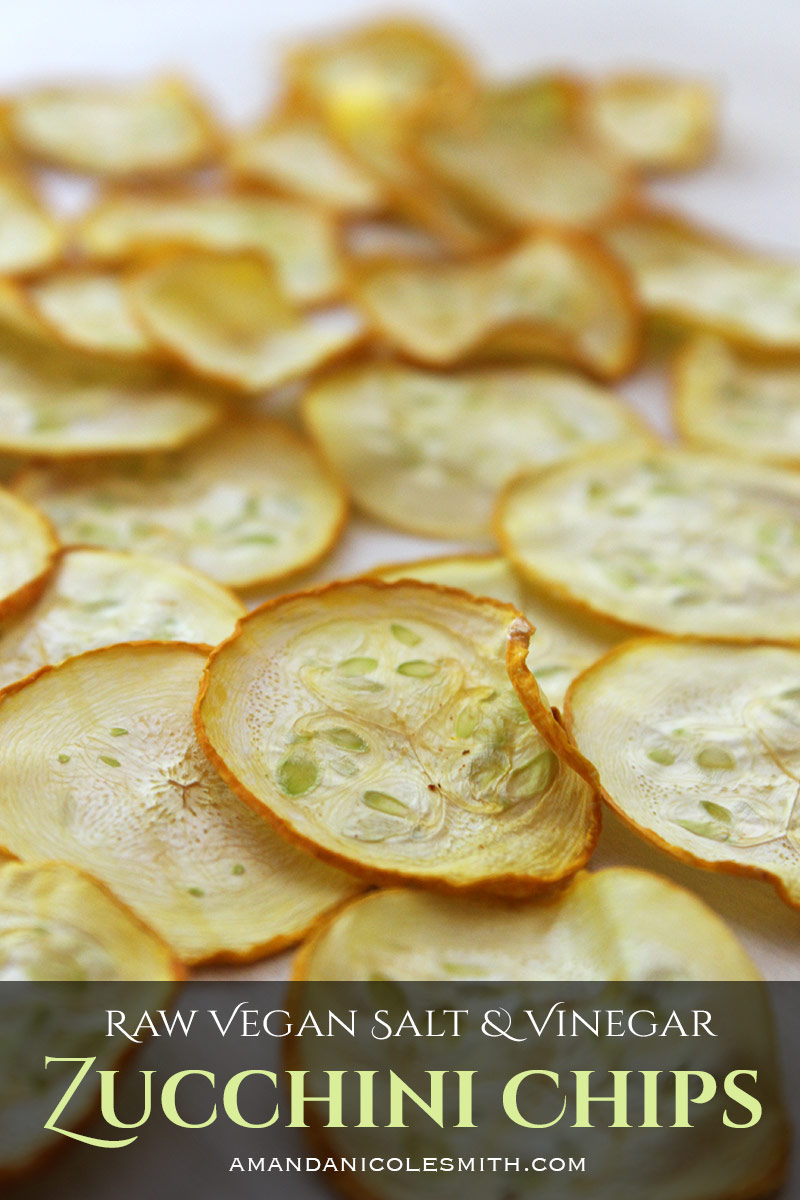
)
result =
(566, 641)
(652, 122)
(226, 318)
(30, 237)
(375, 724)
(726, 402)
(697, 748)
(99, 598)
(140, 129)
(106, 744)
(697, 280)
(556, 294)
(294, 153)
(619, 923)
(429, 452)
(28, 548)
(247, 505)
(298, 240)
(59, 404)
(60, 924)
(89, 310)
(675, 541)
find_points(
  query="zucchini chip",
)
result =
(247, 505)
(566, 641)
(225, 318)
(28, 548)
(652, 122)
(697, 747)
(723, 401)
(88, 309)
(619, 923)
(295, 154)
(375, 724)
(519, 159)
(106, 743)
(30, 237)
(59, 404)
(556, 294)
(697, 280)
(674, 541)
(60, 924)
(99, 598)
(299, 241)
(141, 129)
(429, 452)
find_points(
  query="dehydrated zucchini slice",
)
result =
(555, 294)
(618, 923)
(140, 129)
(247, 504)
(30, 237)
(519, 159)
(89, 309)
(723, 401)
(295, 153)
(28, 547)
(100, 598)
(226, 318)
(698, 280)
(375, 724)
(59, 404)
(697, 747)
(56, 923)
(298, 240)
(566, 641)
(429, 452)
(652, 122)
(106, 743)
(675, 541)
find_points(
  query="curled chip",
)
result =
(298, 240)
(556, 294)
(375, 724)
(697, 748)
(697, 280)
(28, 547)
(619, 923)
(226, 318)
(88, 309)
(245, 505)
(58, 404)
(429, 452)
(566, 642)
(106, 744)
(60, 924)
(101, 598)
(296, 154)
(653, 123)
(520, 158)
(675, 541)
(723, 401)
(30, 237)
(142, 129)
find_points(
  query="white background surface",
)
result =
(748, 50)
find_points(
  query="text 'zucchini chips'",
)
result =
(429, 452)
(698, 747)
(106, 743)
(618, 923)
(376, 724)
(555, 294)
(250, 504)
(674, 540)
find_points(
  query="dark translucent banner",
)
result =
(390, 1090)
